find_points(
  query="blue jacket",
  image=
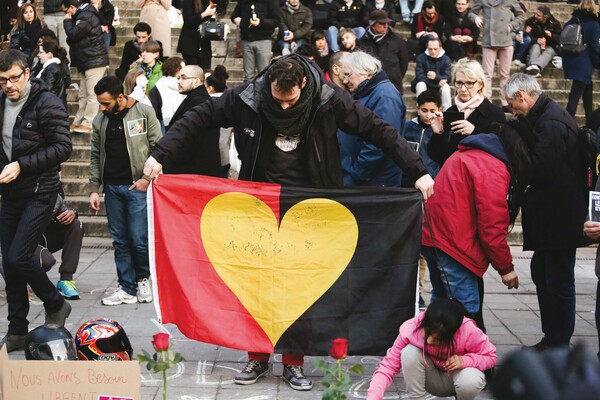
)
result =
(363, 163)
(580, 67)
(442, 66)
(415, 133)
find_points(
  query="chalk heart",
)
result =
(277, 272)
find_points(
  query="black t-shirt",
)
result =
(287, 162)
(117, 167)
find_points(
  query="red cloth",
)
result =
(469, 213)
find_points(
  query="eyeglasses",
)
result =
(347, 75)
(12, 79)
(187, 77)
(468, 85)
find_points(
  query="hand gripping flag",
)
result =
(269, 268)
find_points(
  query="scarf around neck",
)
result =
(468, 106)
(424, 23)
(292, 121)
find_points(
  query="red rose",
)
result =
(339, 348)
(161, 341)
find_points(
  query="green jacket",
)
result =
(142, 131)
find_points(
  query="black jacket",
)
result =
(266, 10)
(202, 156)
(57, 77)
(555, 204)
(351, 16)
(189, 39)
(392, 52)
(442, 146)
(86, 39)
(40, 143)
(240, 108)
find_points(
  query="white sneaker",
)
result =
(119, 297)
(518, 63)
(144, 294)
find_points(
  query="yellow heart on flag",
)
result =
(277, 272)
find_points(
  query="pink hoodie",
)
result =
(469, 342)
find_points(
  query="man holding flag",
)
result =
(286, 121)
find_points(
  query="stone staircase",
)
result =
(75, 171)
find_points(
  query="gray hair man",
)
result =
(554, 207)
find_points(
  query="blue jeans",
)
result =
(451, 279)
(553, 272)
(286, 45)
(521, 49)
(333, 35)
(128, 225)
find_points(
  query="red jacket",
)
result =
(469, 213)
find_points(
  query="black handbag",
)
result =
(213, 29)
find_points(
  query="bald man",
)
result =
(205, 159)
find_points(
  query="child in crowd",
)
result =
(418, 131)
(150, 62)
(440, 352)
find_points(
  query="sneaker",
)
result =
(295, 377)
(13, 342)
(518, 63)
(82, 129)
(251, 372)
(532, 70)
(73, 127)
(58, 318)
(144, 293)
(119, 297)
(286, 52)
(68, 290)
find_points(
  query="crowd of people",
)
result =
(325, 110)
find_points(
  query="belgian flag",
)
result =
(269, 268)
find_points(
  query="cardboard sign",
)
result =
(68, 380)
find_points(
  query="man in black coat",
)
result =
(35, 141)
(383, 43)
(203, 157)
(554, 207)
(88, 54)
(286, 123)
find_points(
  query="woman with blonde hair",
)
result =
(22, 36)
(580, 67)
(480, 113)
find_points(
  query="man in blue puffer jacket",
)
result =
(365, 164)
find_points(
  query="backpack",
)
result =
(571, 40)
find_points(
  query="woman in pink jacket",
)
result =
(440, 352)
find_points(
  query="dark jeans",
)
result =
(579, 89)
(69, 238)
(22, 223)
(553, 272)
(598, 314)
(128, 226)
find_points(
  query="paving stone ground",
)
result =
(511, 318)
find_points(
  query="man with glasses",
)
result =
(35, 141)
(123, 135)
(203, 156)
(432, 72)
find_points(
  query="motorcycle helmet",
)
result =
(50, 343)
(102, 339)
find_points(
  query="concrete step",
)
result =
(95, 226)
(81, 205)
